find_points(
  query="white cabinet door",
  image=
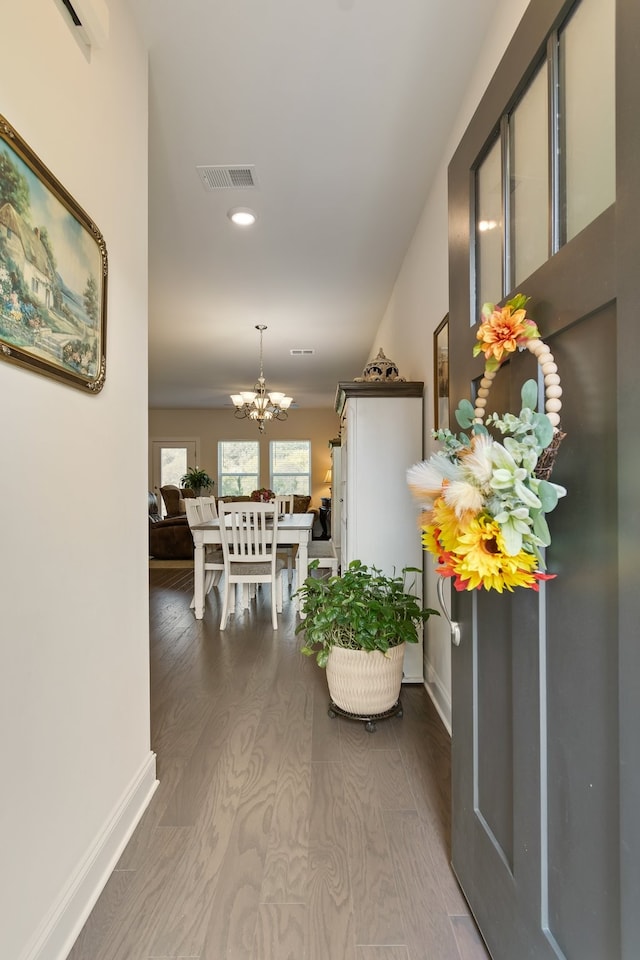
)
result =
(382, 437)
(336, 497)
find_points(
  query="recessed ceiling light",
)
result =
(242, 216)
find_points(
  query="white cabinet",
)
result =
(336, 494)
(381, 437)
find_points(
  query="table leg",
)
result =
(198, 578)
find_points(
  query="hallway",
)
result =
(277, 833)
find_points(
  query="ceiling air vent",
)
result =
(302, 352)
(228, 178)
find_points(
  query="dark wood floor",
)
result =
(276, 832)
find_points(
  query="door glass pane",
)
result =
(529, 186)
(587, 85)
(489, 229)
(169, 462)
(173, 465)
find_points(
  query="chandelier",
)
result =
(257, 404)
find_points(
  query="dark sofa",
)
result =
(169, 539)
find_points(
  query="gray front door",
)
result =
(546, 723)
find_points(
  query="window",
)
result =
(489, 226)
(551, 171)
(238, 467)
(290, 470)
(588, 113)
(529, 179)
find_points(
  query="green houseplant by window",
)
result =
(363, 618)
(197, 480)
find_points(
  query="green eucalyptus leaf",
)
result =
(548, 495)
(560, 490)
(543, 430)
(519, 525)
(529, 394)
(526, 495)
(502, 458)
(465, 414)
(541, 529)
(512, 539)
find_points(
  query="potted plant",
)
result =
(197, 480)
(356, 626)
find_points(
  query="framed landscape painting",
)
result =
(441, 374)
(53, 273)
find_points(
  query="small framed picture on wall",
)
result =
(441, 374)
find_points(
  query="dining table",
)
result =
(293, 528)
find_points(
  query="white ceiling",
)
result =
(342, 107)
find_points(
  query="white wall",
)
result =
(74, 688)
(207, 427)
(418, 304)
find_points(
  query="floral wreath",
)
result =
(484, 501)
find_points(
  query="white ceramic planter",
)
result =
(365, 683)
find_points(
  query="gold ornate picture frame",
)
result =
(441, 374)
(53, 273)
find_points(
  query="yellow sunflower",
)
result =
(447, 524)
(480, 559)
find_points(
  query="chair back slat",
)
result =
(248, 531)
(208, 509)
(194, 513)
(284, 503)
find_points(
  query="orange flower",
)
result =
(503, 330)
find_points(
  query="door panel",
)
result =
(581, 659)
(535, 710)
(544, 779)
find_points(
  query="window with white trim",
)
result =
(238, 467)
(290, 466)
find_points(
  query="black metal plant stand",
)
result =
(369, 721)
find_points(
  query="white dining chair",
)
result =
(249, 532)
(208, 509)
(213, 557)
(284, 503)
(286, 551)
(324, 552)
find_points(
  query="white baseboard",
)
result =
(439, 695)
(60, 928)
